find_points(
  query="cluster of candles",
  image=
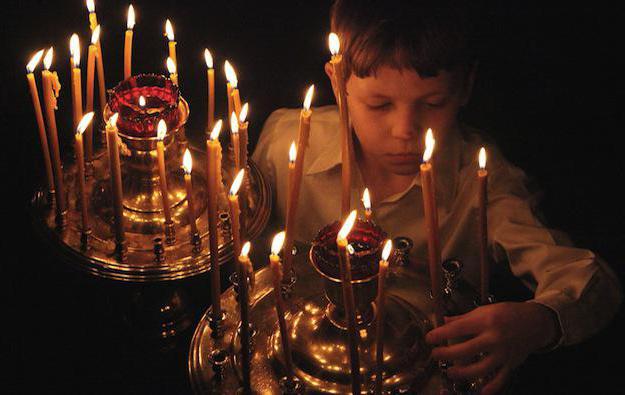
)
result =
(238, 125)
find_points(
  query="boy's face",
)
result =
(391, 112)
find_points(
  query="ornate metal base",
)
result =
(320, 351)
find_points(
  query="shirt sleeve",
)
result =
(575, 283)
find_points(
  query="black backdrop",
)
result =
(547, 92)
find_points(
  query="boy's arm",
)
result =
(574, 283)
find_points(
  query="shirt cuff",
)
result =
(553, 302)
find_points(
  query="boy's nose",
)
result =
(406, 125)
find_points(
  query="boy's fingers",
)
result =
(464, 350)
(461, 327)
(480, 368)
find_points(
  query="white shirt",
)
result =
(573, 282)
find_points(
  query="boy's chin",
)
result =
(408, 169)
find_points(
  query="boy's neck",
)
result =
(380, 182)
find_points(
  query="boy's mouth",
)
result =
(403, 158)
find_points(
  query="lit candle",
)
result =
(34, 93)
(93, 19)
(210, 77)
(236, 148)
(276, 269)
(171, 68)
(346, 137)
(187, 166)
(169, 32)
(290, 201)
(162, 178)
(295, 184)
(348, 299)
(213, 175)
(51, 87)
(74, 45)
(142, 102)
(431, 223)
(366, 202)
(242, 268)
(93, 50)
(80, 163)
(234, 100)
(235, 211)
(482, 178)
(116, 183)
(380, 302)
(243, 136)
(128, 42)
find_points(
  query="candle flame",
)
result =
(131, 18)
(95, 36)
(350, 249)
(231, 75)
(246, 249)
(236, 184)
(84, 122)
(276, 244)
(292, 153)
(386, 252)
(347, 226)
(187, 161)
(309, 96)
(482, 158)
(216, 130)
(90, 6)
(141, 101)
(113, 120)
(47, 60)
(34, 61)
(208, 58)
(429, 145)
(171, 65)
(334, 44)
(74, 49)
(161, 129)
(169, 30)
(234, 123)
(366, 199)
(244, 110)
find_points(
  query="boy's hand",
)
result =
(504, 333)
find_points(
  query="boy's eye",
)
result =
(380, 106)
(436, 104)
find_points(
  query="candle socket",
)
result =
(89, 169)
(196, 241)
(170, 233)
(85, 235)
(252, 332)
(218, 359)
(121, 251)
(217, 326)
(401, 250)
(291, 386)
(288, 284)
(159, 250)
(451, 275)
(61, 220)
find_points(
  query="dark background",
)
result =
(547, 92)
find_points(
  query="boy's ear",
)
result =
(468, 84)
(330, 73)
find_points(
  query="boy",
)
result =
(409, 66)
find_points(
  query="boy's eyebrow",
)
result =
(382, 96)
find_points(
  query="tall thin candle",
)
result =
(242, 272)
(116, 183)
(93, 50)
(236, 147)
(187, 166)
(380, 311)
(34, 93)
(169, 32)
(80, 164)
(210, 78)
(101, 80)
(128, 42)
(346, 137)
(431, 223)
(482, 177)
(243, 136)
(366, 202)
(51, 87)
(276, 269)
(348, 299)
(173, 70)
(74, 45)
(234, 100)
(235, 211)
(213, 175)
(170, 235)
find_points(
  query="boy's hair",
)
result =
(424, 35)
